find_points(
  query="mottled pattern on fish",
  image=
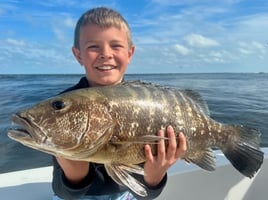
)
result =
(111, 124)
(141, 109)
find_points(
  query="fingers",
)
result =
(170, 153)
(161, 149)
(172, 143)
(176, 148)
(182, 146)
(148, 153)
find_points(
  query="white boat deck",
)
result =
(185, 181)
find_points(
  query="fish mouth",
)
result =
(24, 131)
(30, 135)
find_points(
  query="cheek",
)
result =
(124, 59)
(89, 57)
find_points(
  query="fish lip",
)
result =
(25, 130)
(16, 133)
(20, 122)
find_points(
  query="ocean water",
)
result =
(231, 98)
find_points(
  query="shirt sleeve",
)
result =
(97, 182)
(152, 192)
(63, 189)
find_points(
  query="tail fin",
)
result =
(243, 150)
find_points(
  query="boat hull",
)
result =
(185, 181)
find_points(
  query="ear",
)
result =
(77, 55)
(131, 53)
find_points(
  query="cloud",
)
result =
(252, 48)
(245, 51)
(181, 49)
(259, 47)
(200, 38)
(215, 57)
(25, 55)
(191, 2)
(196, 40)
(69, 22)
(62, 27)
(170, 35)
(15, 42)
(56, 3)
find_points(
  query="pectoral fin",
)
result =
(121, 174)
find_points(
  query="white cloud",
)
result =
(259, 47)
(191, 2)
(196, 40)
(252, 47)
(169, 34)
(22, 55)
(216, 57)
(62, 28)
(181, 49)
(245, 51)
(69, 22)
(15, 42)
(59, 33)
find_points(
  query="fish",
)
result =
(111, 124)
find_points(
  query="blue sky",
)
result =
(171, 36)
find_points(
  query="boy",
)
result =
(103, 46)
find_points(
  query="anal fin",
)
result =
(203, 158)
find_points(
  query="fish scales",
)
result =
(159, 115)
(143, 106)
(111, 125)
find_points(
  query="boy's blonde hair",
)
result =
(103, 17)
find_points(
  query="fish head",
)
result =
(72, 125)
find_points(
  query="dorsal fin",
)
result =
(137, 82)
(145, 84)
(196, 97)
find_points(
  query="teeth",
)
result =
(105, 67)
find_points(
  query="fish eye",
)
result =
(58, 105)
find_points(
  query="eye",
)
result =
(58, 105)
(93, 47)
(117, 46)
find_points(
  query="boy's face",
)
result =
(105, 54)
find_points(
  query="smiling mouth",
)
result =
(105, 67)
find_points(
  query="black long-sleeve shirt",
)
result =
(97, 182)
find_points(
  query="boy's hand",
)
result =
(156, 167)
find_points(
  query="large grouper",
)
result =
(111, 125)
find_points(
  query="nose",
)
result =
(106, 53)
